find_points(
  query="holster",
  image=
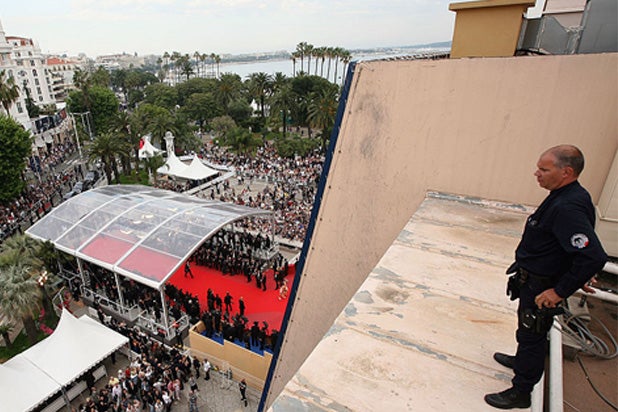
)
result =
(539, 320)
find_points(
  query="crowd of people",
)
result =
(44, 190)
(289, 193)
(290, 187)
(155, 380)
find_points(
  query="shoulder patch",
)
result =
(579, 240)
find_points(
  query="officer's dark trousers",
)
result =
(532, 346)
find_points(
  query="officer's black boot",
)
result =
(504, 359)
(508, 399)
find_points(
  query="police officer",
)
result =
(559, 253)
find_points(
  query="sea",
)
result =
(286, 66)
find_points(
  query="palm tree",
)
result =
(9, 91)
(175, 58)
(309, 52)
(196, 56)
(83, 81)
(105, 148)
(228, 89)
(322, 110)
(20, 297)
(5, 329)
(300, 50)
(21, 249)
(293, 57)
(203, 57)
(260, 86)
(121, 125)
(282, 101)
(152, 164)
(346, 56)
(319, 53)
(330, 53)
(338, 53)
(218, 61)
(186, 68)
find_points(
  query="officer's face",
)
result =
(550, 176)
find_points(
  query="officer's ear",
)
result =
(568, 172)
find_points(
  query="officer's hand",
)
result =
(587, 287)
(548, 298)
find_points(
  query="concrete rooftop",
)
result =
(420, 332)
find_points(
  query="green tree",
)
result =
(161, 94)
(241, 140)
(100, 77)
(152, 164)
(106, 147)
(240, 111)
(31, 107)
(121, 127)
(228, 89)
(193, 86)
(5, 329)
(282, 102)
(9, 91)
(201, 107)
(222, 125)
(28, 253)
(322, 111)
(16, 147)
(260, 86)
(186, 67)
(103, 107)
(21, 249)
(20, 297)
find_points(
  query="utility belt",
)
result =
(519, 277)
(539, 320)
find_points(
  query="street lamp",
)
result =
(79, 147)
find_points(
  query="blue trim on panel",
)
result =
(300, 265)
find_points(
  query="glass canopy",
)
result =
(140, 232)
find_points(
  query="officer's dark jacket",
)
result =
(559, 240)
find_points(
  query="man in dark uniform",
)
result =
(559, 253)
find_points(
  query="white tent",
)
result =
(195, 171)
(23, 386)
(172, 166)
(146, 149)
(42, 370)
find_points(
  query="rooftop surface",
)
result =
(420, 332)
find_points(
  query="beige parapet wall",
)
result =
(243, 362)
(468, 126)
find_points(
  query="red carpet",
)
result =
(259, 305)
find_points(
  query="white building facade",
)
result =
(9, 65)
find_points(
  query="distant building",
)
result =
(62, 71)
(9, 65)
(31, 71)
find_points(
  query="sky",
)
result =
(98, 27)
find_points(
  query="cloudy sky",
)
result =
(223, 26)
(98, 27)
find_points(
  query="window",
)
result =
(38, 90)
(20, 63)
(36, 81)
(32, 63)
(40, 98)
(19, 108)
(34, 73)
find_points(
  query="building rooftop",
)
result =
(425, 323)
